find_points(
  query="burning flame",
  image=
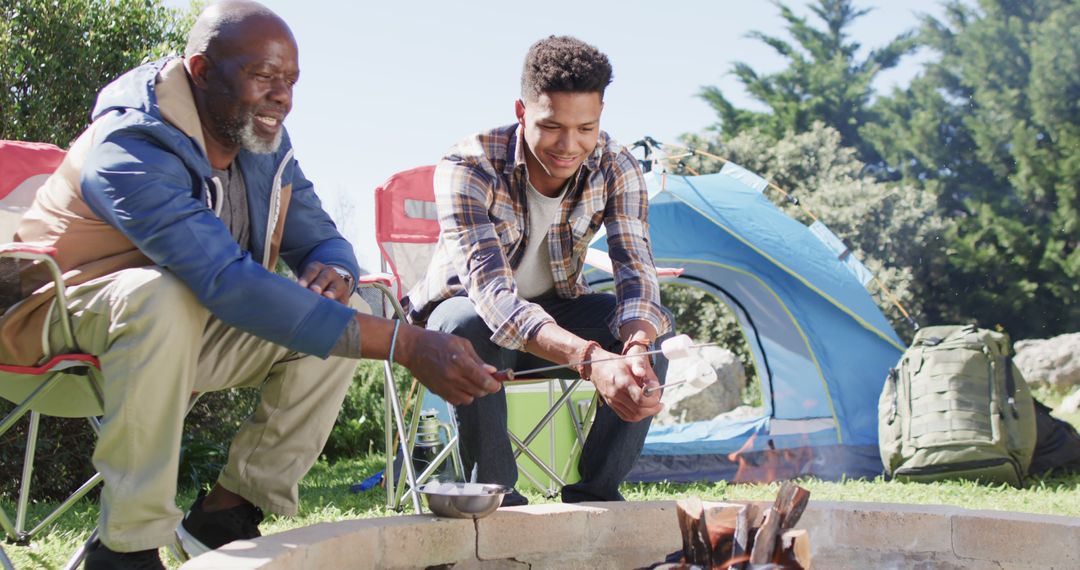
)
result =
(769, 465)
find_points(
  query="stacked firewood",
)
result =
(743, 537)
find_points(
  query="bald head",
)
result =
(243, 62)
(221, 25)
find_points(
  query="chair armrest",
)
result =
(388, 285)
(46, 255)
(27, 251)
(372, 278)
(601, 261)
(55, 364)
(669, 271)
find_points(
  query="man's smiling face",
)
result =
(250, 87)
(561, 130)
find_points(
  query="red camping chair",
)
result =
(65, 383)
(34, 389)
(406, 229)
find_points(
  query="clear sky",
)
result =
(387, 86)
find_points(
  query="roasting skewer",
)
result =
(675, 347)
(703, 374)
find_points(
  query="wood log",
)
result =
(695, 536)
(765, 539)
(744, 522)
(790, 503)
(723, 542)
(721, 529)
(794, 551)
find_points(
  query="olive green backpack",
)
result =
(956, 407)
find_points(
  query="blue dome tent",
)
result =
(821, 347)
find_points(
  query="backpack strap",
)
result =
(1010, 386)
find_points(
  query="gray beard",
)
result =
(250, 142)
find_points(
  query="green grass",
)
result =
(325, 497)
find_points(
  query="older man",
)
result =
(169, 214)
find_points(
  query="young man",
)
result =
(518, 206)
(169, 214)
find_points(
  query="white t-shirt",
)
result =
(533, 274)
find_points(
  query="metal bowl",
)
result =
(463, 500)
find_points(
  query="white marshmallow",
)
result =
(680, 346)
(702, 375)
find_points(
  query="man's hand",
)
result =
(326, 281)
(446, 364)
(621, 384)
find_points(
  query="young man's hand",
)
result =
(448, 365)
(621, 383)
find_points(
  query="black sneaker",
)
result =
(201, 531)
(514, 499)
(99, 557)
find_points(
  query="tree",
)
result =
(56, 55)
(823, 81)
(992, 129)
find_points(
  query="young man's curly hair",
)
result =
(564, 64)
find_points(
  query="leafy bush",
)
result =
(208, 429)
(359, 428)
(55, 56)
(63, 453)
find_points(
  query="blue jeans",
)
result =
(612, 445)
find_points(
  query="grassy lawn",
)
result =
(325, 496)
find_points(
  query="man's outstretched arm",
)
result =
(445, 363)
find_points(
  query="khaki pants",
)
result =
(158, 345)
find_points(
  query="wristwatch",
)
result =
(344, 275)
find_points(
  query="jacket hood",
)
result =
(150, 96)
(132, 90)
(158, 95)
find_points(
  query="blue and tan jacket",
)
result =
(134, 191)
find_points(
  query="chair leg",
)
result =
(453, 443)
(547, 489)
(554, 409)
(403, 436)
(28, 472)
(5, 562)
(388, 432)
(523, 447)
(581, 423)
(77, 558)
(63, 507)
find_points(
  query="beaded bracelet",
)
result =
(585, 368)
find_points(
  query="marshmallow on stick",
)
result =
(680, 346)
(701, 375)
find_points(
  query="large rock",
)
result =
(1053, 362)
(686, 403)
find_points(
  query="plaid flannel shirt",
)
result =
(480, 197)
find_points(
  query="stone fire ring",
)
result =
(636, 534)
